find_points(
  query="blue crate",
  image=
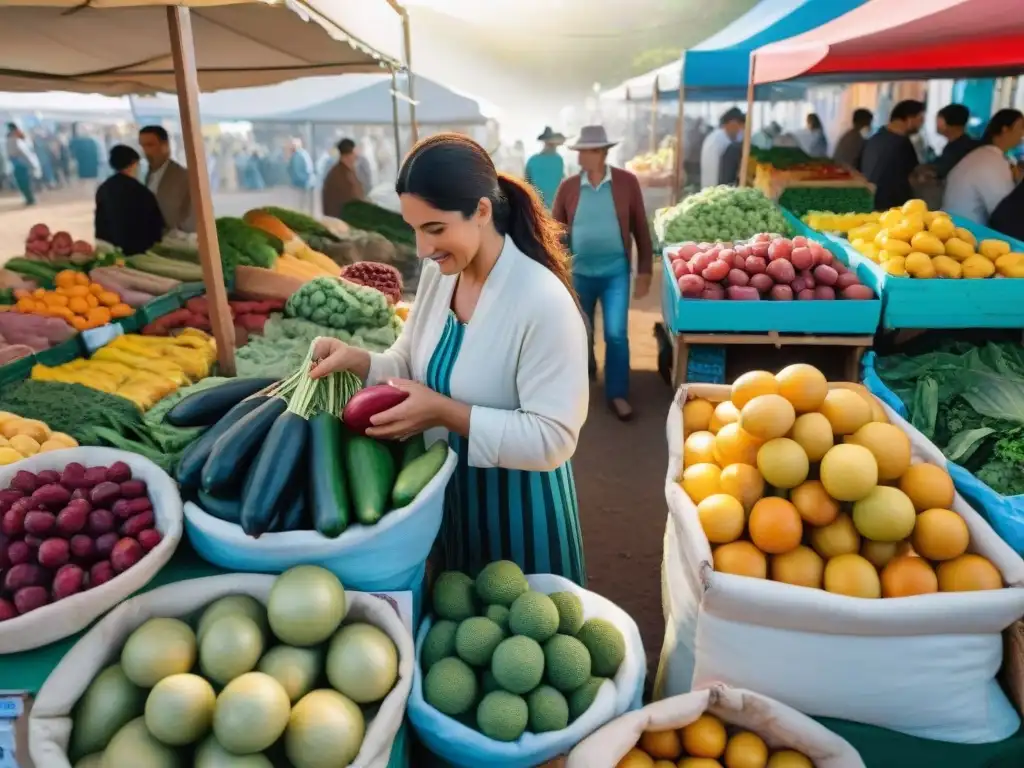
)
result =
(816, 317)
(937, 303)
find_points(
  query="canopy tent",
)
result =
(118, 47)
(353, 100)
(65, 107)
(882, 40)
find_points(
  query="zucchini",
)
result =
(274, 471)
(190, 466)
(330, 501)
(412, 449)
(371, 472)
(415, 475)
(228, 510)
(292, 517)
(234, 450)
(209, 405)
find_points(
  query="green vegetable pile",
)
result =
(785, 157)
(242, 244)
(342, 305)
(369, 217)
(969, 401)
(720, 213)
(802, 200)
(315, 234)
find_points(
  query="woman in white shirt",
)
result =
(979, 182)
(495, 352)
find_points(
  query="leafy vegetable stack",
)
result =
(720, 213)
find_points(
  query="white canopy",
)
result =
(118, 47)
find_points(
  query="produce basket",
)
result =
(385, 557)
(1004, 513)
(160, 306)
(58, 620)
(994, 302)
(466, 747)
(62, 353)
(780, 726)
(50, 722)
(923, 665)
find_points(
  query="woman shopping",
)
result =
(983, 179)
(495, 352)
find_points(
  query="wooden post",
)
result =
(654, 117)
(745, 162)
(410, 89)
(678, 176)
(395, 118)
(186, 82)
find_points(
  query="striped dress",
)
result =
(492, 514)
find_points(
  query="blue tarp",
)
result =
(718, 68)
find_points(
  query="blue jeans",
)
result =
(613, 294)
(23, 179)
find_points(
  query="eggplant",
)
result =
(190, 466)
(275, 470)
(234, 450)
(207, 406)
(367, 403)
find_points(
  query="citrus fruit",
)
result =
(802, 567)
(697, 415)
(699, 448)
(701, 481)
(813, 503)
(661, 744)
(767, 416)
(940, 534)
(782, 463)
(928, 486)
(734, 445)
(839, 537)
(775, 526)
(853, 576)
(750, 385)
(802, 385)
(814, 433)
(849, 472)
(724, 413)
(846, 411)
(704, 737)
(722, 518)
(740, 558)
(888, 444)
(968, 573)
(906, 576)
(743, 482)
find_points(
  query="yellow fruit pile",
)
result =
(77, 300)
(810, 485)
(706, 743)
(142, 369)
(826, 221)
(21, 438)
(912, 241)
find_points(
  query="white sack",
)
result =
(466, 747)
(923, 665)
(50, 724)
(72, 614)
(780, 727)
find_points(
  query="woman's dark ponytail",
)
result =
(522, 216)
(452, 172)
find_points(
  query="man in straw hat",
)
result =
(602, 209)
(546, 169)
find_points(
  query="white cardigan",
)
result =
(522, 366)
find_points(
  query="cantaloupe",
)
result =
(767, 417)
(853, 576)
(750, 385)
(803, 385)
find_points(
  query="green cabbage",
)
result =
(720, 213)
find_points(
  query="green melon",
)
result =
(110, 702)
(438, 644)
(533, 615)
(306, 605)
(210, 754)
(502, 716)
(179, 709)
(500, 583)
(325, 730)
(566, 663)
(570, 612)
(581, 699)
(231, 646)
(296, 669)
(518, 664)
(499, 615)
(549, 711)
(134, 747)
(450, 686)
(606, 644)
(251, 713)
(245, 605)
(362, 663)
(156, 649)
(476, 639)
(95, 760)
(453, 596)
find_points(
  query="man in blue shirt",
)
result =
(546, 169)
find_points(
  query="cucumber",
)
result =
(190, 466)
(415, 476)
(228, 510)
(371, 472)
(235, 449)
(330, 502)
(209, 405)
(412, 449)
(274, 472)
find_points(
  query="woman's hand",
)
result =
(334, 355)
(423, 409)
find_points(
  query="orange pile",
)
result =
(81, 302)
(707, 743)
(810, 485)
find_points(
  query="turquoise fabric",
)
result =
(492, 514)
(545, 172)
(596, 239)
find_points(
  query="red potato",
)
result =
(105, 493)
(18, 552)
(780, 249)
(80, 493)
(742, 293)
(742, 250)
(101, 521)
(125, 508)
(680, 268)
(691, 286)
(703, 246)
(858, 292)
(760, 249)
(30, 598)
(727, 254)
(800, 241)
(755, 265)
(781, 271)
(7, 609)
(82, 547)
(688, 250)
(105, 544)
(839, 267)
(48, 476)
(13, 523)
(738, 277)
(824, 293)
(40, 523)
(68, 581)
(782, 293)
(94, 476)
(805, 295)
(821, 254)
(846, 279)
(761, 237)
(367, 403)
(761, 283)
(53, 496)
(25, 482)
(5, 561)
(700, 262)
(72, 519)
(808, 278)
(825, 275)
(53, 553)
(119, 472)
(25, 575)
(133, 526)
(8, 497)
(802, 258)
(798, 285)
(132, 489)
(33, 541)
(713, 292)
(149, 538)
(716, 271)
(73, 476)
(126, 553)
(101, 573)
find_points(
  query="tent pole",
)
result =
(394, 118)
(745, 162)
(410, 88)
(654, 118)
(186, 82)
(680, 149)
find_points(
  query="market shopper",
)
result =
(889, 156)
(342, 184)
(167, 179)
(980, 182)
(127, 212)
(951, 123)
(546, 169)
(730, 129)
(814, 141)
(23, 160)
(850, 146)
(495, 352)
(602, 209)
